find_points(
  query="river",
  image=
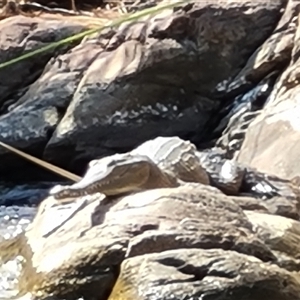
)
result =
(18, 206)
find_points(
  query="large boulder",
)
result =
(158, 77)
(154, 77)
(80, 254)
(281, 234)
(272, 140)
(252, 88)
(200, 274)
(190, 240)
(29, 115)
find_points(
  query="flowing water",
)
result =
(18, 206)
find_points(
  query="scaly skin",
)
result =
(117, 174)
(162, 162)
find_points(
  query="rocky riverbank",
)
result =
(222, 74)
(185, 72)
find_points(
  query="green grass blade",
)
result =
(130, 18)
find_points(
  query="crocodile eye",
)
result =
(111, 163)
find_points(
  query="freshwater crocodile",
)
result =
(161, 162)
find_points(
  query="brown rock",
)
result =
(79, 254)
(280, 206)
(199, 274)
(133, 89)
(272, 139)
(282, 235)
(71, 264)
(38, 110)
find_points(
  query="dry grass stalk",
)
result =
(41, 163)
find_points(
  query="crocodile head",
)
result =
(112, 175)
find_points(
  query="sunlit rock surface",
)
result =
(163, 75)
(221, 74)
(191, 240)
(272, 140)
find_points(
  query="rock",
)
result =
(224, 174)
(275, 195)
(24, 194)
(38, 111)
(203, 274)
(122, 87)
(80, 254)
(273, 54)
(241, 113)
(280, 206)
(281, 234)
(20, 35)
(267, 193)
(271, 143)
(166, 75)
(72, 263)
(131, 89)
(264, 185)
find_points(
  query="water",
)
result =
(13, 220)
(18, 206)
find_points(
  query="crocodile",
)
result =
(161, 162)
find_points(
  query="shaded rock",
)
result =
(266, 186)
(203, 274)
(252, 204)
(273, 54)
(80, 254)
(67, 4)
(32, 120)
(132, 91)
(20, 35)
(271, 142)
(241, 113)
(266, 193)
(235, 178)
(273, 194)
(24, 194)
(249, 90)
